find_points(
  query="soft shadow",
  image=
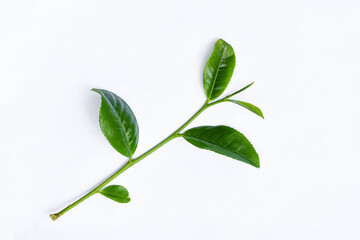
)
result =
(92, 107)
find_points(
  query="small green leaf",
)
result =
(239, 91)
(248, 106)
(223, 140)
(118, 123)
(117, 193)
(218, 70)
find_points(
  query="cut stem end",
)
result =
(54, 216)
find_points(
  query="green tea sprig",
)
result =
(119, 126)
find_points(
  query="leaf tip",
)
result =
(256, 161)
(222, 41)
(260, 113)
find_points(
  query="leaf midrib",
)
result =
(122, 126)
(109, 194)
(204, 141)
(217, 71)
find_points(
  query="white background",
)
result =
(304, 57)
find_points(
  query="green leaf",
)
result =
(239, 91)
(218, 70)
(118, 123)
(117, 193)
(224, 140)
(248, 106)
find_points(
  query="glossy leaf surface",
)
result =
(223, 140)
(218, 69)
(248, 106)
(117, 193)
(118, 123)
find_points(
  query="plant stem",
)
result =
(171, 136)
(92, 192)
(131, 162)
